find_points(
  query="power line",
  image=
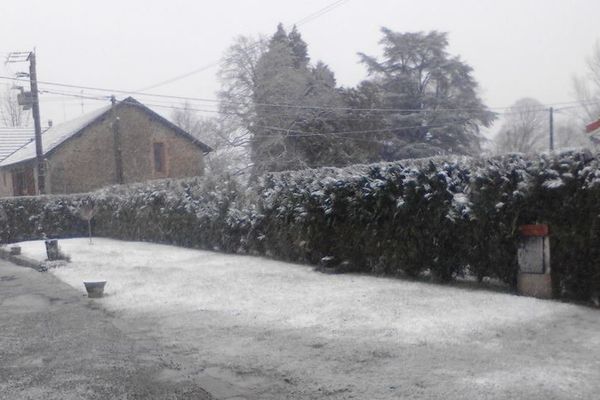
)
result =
(179, 77)
(300, 132)
(296, 133)
(320, 12)
(542, 108)
(447, 125)
(278, 105)
(300, 22)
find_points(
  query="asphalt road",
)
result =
(57, 344)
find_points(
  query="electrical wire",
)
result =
(300, 22)
(285, 105)
(294, 133)
(284, 115)
(297, 133)
(320, 12)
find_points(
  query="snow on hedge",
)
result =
(443, 217)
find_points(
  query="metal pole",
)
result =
(551, 128)
(38, 126)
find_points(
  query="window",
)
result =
(159, 158)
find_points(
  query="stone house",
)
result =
(121, 143)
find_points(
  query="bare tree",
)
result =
(227, 156)
(587, 93)
(569, 133)
(239, 81)
(187, 119)
(11, 113)
(525, 128)
(587, 88)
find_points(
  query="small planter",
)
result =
(15, 250)
(95, 289)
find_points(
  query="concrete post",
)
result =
(534, 277)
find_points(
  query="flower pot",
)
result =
(95, 289)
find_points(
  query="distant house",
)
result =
(124, 143)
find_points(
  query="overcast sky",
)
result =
(517, 47)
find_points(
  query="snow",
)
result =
(261, 291)
(255, 322)
(54, 136)
(13, 138)
(553, 183)
(460, 199)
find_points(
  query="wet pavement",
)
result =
(57, 344)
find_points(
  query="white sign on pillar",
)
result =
(534, 255)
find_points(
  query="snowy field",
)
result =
(274, 330)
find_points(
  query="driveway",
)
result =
(57, 344)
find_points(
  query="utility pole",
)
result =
(32, 101)
(117, 142)
(35, 109)
(551, 128)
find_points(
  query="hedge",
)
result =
(442, 217)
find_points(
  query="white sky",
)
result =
(517, 47)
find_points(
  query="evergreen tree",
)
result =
(368, 142)
(441, 110)
(296, 109)
(299, 48)
(280, 36)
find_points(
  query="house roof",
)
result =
(133, 102)
(12, 139)
(593, 127)
(58, 134)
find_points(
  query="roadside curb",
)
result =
(21, 260)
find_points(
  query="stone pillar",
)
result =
(534, 262)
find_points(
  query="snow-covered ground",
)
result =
(279, 330)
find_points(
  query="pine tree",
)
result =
(299, 48)
(295, 107)
(442, 110)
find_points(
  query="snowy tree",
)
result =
(568, 134)
(11, 113)
(587, 91)
(279, 91)
(587, 88)
(367, 143)
(228, 156)
(297, 109)
(239, 82)
(299, 47)
(525, 129)
(439, 109)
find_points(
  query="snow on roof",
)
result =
(12, 139)
(53, 137)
